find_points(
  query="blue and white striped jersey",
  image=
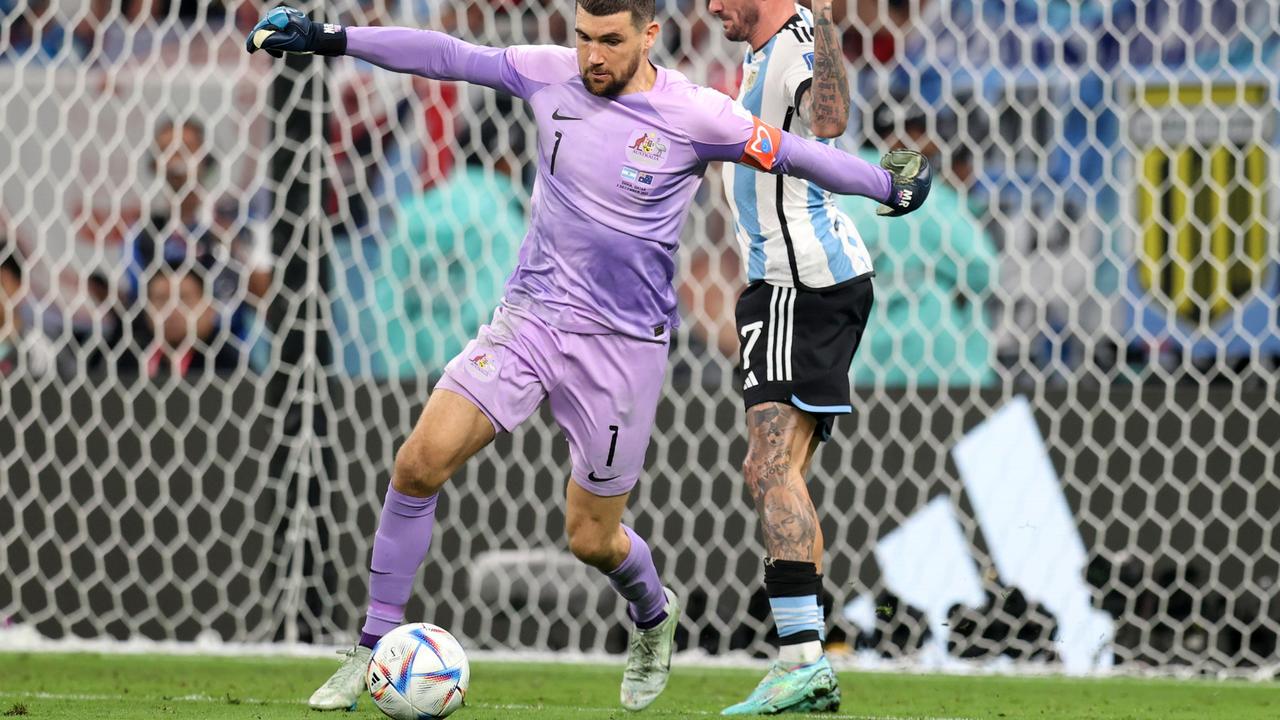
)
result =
(789, 230)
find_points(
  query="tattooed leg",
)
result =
(804, 476)
(779, 449)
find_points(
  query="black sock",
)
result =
(794, 589)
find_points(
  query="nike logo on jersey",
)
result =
(592, 477)
(557, 116)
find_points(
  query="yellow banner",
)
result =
(1202, 196)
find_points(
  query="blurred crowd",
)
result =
(429, 185)
(182, 298)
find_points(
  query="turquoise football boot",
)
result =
(792, 689)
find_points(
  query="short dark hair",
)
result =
(208, 163)
(9, 261)
(177, 124)
(98, 278)
(178, 270)
(642, 11)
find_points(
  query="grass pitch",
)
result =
(125, 687)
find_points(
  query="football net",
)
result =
(231, 281)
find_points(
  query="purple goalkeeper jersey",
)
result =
(616, 175)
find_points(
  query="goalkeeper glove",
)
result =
(287, 30)
(912, 179)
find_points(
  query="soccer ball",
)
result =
(418, 671)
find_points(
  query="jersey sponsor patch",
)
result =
(762, 149)
(647, 148)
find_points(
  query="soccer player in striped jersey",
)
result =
(799, 321)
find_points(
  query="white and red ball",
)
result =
(418, 671)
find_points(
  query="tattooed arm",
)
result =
(826, 105)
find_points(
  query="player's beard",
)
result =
(616, 85)
(745, 24)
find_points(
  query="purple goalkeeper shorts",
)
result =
(603, 389)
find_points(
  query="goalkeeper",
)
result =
(587, 313)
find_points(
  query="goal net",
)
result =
(229, 283)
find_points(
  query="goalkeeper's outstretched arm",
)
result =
(420, 52)
(722, 131)
(431, 54)
(901, 182)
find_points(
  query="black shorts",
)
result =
(797, 346)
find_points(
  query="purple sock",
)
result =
(636, 580)
(399, 547)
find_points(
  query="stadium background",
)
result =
(1102, 245)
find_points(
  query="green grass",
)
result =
(48, 686)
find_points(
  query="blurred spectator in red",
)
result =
(178, 332)
(391, 134)
(873, 36)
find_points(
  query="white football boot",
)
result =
(649, 658)
(346, 685)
